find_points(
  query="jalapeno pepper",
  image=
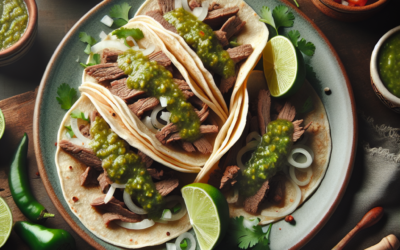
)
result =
(19, 186)
(39, 237)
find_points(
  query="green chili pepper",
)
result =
(19, 186)
(43, 238)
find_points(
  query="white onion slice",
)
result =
(102, 35)
(77, 132)
(146, 223)
(290, 209)
(154, 119)
(166, 215)
(201, 12)
(76, 141)
(251, 146)
(249, 224)
(188, 236)
(181, 212)
(107, 20)
(253, 135)
(69, 136)
(292, 174)
(150, 49)
(129, 38)
(304, 150)
(107, 44)
(109, 194)
(233, 198)
(131, 205)
(163, 101)
(165, 116)
(185, 5)
(116, 185)
(171, 246)
(178, 4)
(147, 122)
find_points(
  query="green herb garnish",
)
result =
(307, 48)
(184, 244)
(79, 115)
(120, 13)
(176, 208)
(94, 60)
(297, 5)
(136, 34)
(69, 131)
(66, 96)
(85, 38)
(233, 42)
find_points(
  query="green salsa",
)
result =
(202, 39)
(389, 64)
(268, 158)
(13, 22)
(156, 81)
(124, 166)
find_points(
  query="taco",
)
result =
(117, 187)
(143, 81)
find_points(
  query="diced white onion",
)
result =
(154, 119)
(69, 136)
(181, 212)
(131, 205)
(345, 3)
(114, 37)
(178, 4)
(171, 246)
(163, 101)
(109, 194)
(165, 116)
(107, 44)
(107, 20)
(251, 146)
(77, 59)
(201, 12)
(146, 223)
(249, 224)
(102, 35)
(129, 38)
(253, 135)
(189, 237)
(233, 197)
(116, 185)
(292, 174)
(304, 150)
(150, 49)
(288, 210)
(167, 214)
(77, 132)
(87, 114)
(147, 122)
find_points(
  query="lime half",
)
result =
(2, 124)
(284, 67)
(208, 211)
(6, 221)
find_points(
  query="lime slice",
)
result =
(208, 211)
(284, 67)
(2, 124)
(6, 221)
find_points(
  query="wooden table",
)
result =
(354, 43)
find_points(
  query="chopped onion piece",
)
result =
(253, 135)
(102, 35)
(154, 119)
(288, 210)
(76, 141)
(292, 174)
(185, 6)
(171, 246)
(180, 213)
(147, 122)
(201, 12)
(77, 132)
(249, 224)
(109, 194)
(107, 20)
(116, 185)
(150, 49)
(146, 223)
(189, 236)
(129, 38)
(233, 198)
(165, 116)
(167, 214)
(251, 146)
(304, 150)
(107, 44)
(178, 4)
(69, 136)
(131, 205)
(163, 101)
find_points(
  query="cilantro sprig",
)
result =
(79, 115)
(94, 60)
(307, 48)
(123, 33)
(120, 13)
(85, 38)
(69, 131)
(66, 96)
(233, 42)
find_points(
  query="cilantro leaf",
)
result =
(85, 38)
(120, 22)
(266, 15)
(307, 48)
(233, 42)
(184, 244)
(79, 115)
(282, 17)
(251, 238)
(136, 34)
(263, 243)
(69, 131)
(120, 13)
(94, 60)
(294, 36)
(66, 96)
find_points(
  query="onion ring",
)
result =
(146, 223)
(304, 150)
(188, 236)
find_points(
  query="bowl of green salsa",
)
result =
(18, 28)
(385, 69)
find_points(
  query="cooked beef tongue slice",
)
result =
(110, 56)
(232, 26)
(85, 130)
(252, 203)
(222, 38)
(89, 177)
(143, 105)
(184, 87)
(227, 84)
(84, 155)
(187, 146)
(299, 131)
(119, 88)
(229, 177)
(109, 217)
(203, 113)
(105, 72)
(263, 110)
(240, 53)
(194, 4)
(166, 131)
(115, 206)
(165, 187)
(216, 18)
(158, 16)
(203, 146)
(155, 173)
(161, 58)
(288, 112)
(145, 159)
(166, 5)
(214, 6)
(204, 129)
(104, 182)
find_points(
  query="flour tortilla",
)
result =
(92, 220)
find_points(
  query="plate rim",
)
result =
(57, 203)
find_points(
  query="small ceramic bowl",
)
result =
(22, 46)
(390, 100)
(349, 13)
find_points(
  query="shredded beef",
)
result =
(89, 177)
(232, 26)
(84, 155)
(288, 112)
(251, 204)
(218, 17)
(194, 4)
(264, 110)
(204, 129)
(116, 207)
(161, 58)
(222, 38)
(110, 56)
(227, 84)
(203, 113)
(166, 186)
(187, 146)
(229, 177)
(166, 5)
(184, 87)
(145, 159)
(214, 6)
(109, 217)
(158, 16)
(299, 131)
(105, 72)
(143, 105)
(85, 130)
(203, 146)
(155, 173)
(240, 53)
(104, 182)
(165, 132)
(119, 88)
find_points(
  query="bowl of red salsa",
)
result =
(385, 69)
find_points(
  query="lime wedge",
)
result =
(208, 211)
(284, 67)
(2, 124)
(6, 222)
